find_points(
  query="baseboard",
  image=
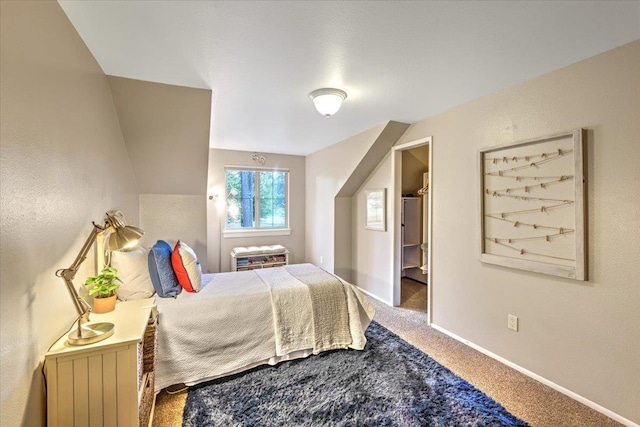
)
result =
(364, 291)
(543, 380)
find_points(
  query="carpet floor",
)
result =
(524, 397)
(413, 295)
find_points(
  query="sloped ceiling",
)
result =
(401, 61)
(380, 148)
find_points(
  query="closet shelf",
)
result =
(407, 266)
(405, 245)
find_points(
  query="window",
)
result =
(257, 199)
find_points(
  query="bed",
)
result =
(243, 319)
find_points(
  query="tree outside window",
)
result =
(257, 199)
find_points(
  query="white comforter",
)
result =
(244, 319)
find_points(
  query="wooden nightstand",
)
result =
(108, 383)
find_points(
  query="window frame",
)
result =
(257, 231)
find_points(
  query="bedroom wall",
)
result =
(219, 247)
(173, 217)
(166, 130)
(63, 164)
(334, 174)
(327, 171)
(371, 249)
(583, 336)
(342, 222)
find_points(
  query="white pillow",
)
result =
(133, 269)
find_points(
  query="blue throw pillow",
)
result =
(163, 278)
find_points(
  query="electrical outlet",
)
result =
(512, 322)
(321, 260)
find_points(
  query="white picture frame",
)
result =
(532, 205)
(376, 209)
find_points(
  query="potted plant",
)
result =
(103, 288)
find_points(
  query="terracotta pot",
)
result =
(104, 305)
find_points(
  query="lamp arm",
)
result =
(82, 255)
(68, 274)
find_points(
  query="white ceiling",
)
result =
(399, 61)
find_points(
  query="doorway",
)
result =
(412, 204)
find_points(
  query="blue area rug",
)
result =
(389, 383)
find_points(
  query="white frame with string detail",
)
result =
(532, 205)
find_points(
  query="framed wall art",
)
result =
(532, 205)
(376, 207)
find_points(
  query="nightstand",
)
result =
(108, 383)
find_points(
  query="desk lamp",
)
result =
(119, 235)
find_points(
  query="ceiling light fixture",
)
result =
(327, 100)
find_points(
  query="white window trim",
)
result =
(255, 168)
(255, 232)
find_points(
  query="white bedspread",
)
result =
(244, 319)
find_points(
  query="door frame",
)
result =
(396, 172)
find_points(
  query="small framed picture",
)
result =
(376, 209)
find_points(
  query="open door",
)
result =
(412, 225)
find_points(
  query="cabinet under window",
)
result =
(255, 257)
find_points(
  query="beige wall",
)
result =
(219, 247)
(327, 171)
(166, 129)
(173, 217)
(584, 336)
(343, 218)
(372, 249)
(63, 164)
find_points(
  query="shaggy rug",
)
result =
(389, 383)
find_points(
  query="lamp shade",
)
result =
(124, 238)
(328, 100)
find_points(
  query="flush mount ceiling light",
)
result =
(327, 100)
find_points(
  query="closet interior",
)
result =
(415, 187)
